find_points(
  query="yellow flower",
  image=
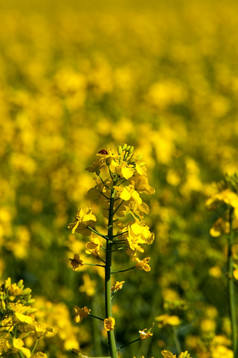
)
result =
(184, 355)
(226, 196)
(208, 325)
(18, 345)
(167, 354)
(93, 246)
(88, 285)
(104, 157)
(83, 219)
(14, 290)
(4, 345)
(167, 320)
(109, 324)
(129, 193)
(81, 313)
(124, 169)
(235, 272)
(142, 264)
(220, 227)
(139, 234)
(76, 262)
(117, 286)
(141, 184)
(23, 318)
(39, 355)
(144, 335)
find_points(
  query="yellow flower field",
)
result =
(77, 81)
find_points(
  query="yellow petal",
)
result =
(125, 195)
(18, 344)
(173, 320)
(127, 172)
(24, 318)
(235, 274)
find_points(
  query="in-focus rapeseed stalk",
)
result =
(121, 178)
(226, 201)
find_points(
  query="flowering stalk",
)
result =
(121, 178)
(231, 291)
(226, 199)
(108, 301)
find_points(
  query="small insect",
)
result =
(103, 151)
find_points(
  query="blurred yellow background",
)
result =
(77, 77)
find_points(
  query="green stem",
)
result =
(176, 340)
(35, 345)
(121, 233)
(88, 264)
(118, 207)
(96, 328)
(92, 315)
(128, 269)
(108, 301)
(97, 232)
(231, 289)
(125, 345)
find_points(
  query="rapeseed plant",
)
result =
(225, 202)
(17, 321)
(121, 178)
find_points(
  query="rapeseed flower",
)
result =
(18, 345)
(117, 286)
(226, 200)
(166, 319)
(144, 335)
(80, 313)
(139, 234)
(93, 247)
(109, 324)
(83, 219)
(168, 354)
(142, 264)
(76, 262)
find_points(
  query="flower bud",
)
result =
(26, 291)
(131, 150)
(124, 147)
(3, 305)
(108, 161)
(20, 284)
(32, 300)
(119, 150)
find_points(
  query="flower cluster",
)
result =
(17, 320)
(226, 201)
(126, 174)
(168, 354)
